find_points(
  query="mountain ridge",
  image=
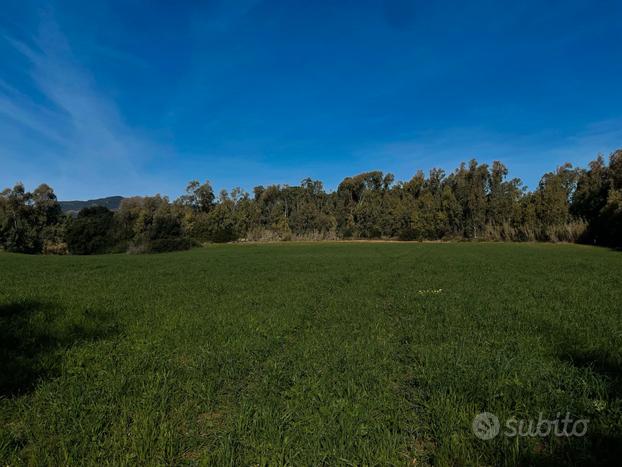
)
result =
(110, 202)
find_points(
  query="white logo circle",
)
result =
(485, 425)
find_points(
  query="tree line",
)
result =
(474, 202)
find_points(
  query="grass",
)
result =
(326, 353)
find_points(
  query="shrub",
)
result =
(91, 232)
(162, 245)
(54, 248)
(259, 234)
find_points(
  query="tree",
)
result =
(597, 200)
(221, 220)
(472, 202)
(16, 231)
(615, 169)
(199, 197)
(158, 227)
(554, 194)
(28, 220)
(91, 232)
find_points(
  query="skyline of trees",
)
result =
(474, 202)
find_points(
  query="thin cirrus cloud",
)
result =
(136, 98)
(75, 137)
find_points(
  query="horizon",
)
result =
(326, 188)
(134, 99)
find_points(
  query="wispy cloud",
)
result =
(83, 136)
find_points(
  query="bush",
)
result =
(568, 232)
(316, 236)
(91, 232)
(54, 248)
(217, 226)
(259, 234)
(162, 245)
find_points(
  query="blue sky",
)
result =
(138, 97)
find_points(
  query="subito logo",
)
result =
(486, 425)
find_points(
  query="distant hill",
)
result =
(73, 207)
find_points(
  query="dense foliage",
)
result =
(29, 222)
(91, 232)
(476, 201)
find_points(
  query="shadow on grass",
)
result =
(602, 445)
(32, 335)
(603, 364)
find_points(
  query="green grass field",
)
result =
(326, 353)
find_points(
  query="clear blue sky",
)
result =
(138, 97)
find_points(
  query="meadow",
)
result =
(310, 354)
